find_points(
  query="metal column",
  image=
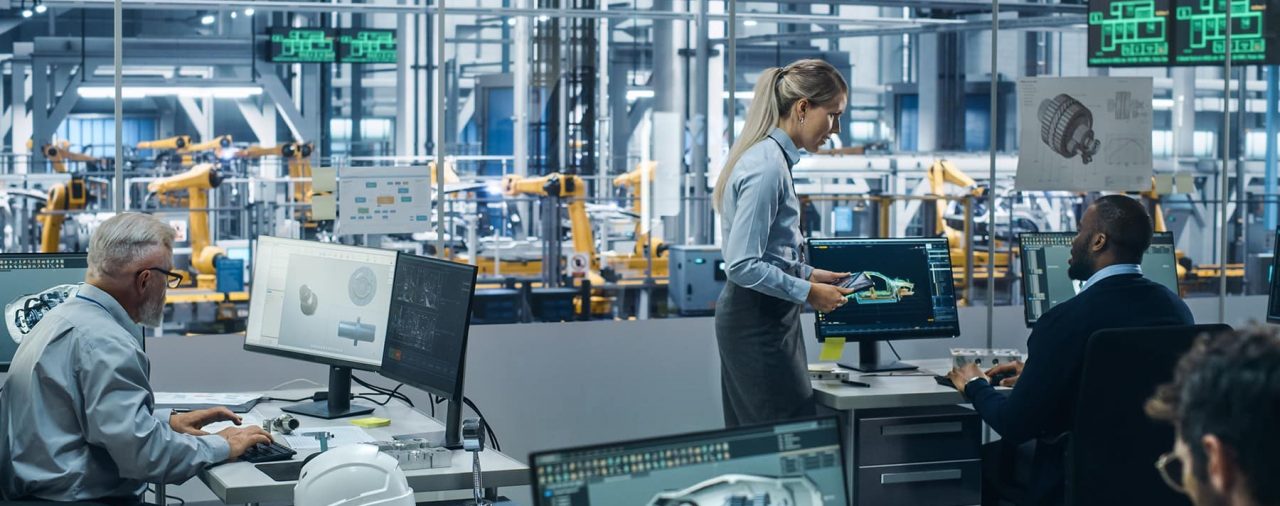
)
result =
(1273, 101)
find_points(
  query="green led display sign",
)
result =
(1144, 33)
(302, 45)
(367, 46)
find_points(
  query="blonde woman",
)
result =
(763, 367)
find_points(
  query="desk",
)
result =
(241, 482)
(914, 391)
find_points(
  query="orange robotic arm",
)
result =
(632, 180)
(176, 142)
(563, 186)
(196, 182)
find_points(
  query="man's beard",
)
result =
(151, 314)
(1081, 268)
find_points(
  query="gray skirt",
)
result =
(763, 366)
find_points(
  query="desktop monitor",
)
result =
(798, 463)
(903, 289)
(25, 274)
(324, 303)
(427, 331)
(1044, 269)
(1273, 300)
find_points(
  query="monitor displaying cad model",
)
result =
(427, 332)
(23, 275)
(321, 302)
(1044, 259)
(797, 463)
(903, 288)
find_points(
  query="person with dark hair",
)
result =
(1224, 402)
(1105, 254)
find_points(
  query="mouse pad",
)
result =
(282, 471)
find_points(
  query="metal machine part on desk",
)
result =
(417, 454)
(984, 357)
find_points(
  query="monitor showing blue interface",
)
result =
(903, 288)
(23, 275)
(796, 463)
(1044, 262)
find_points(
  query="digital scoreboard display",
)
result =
(367, 46)
(302, 45)
(1144, 33)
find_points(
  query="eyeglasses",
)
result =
(1170, 467)
(174, 281)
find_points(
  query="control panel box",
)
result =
(697, 275)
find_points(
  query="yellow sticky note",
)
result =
(324, 207)
(832, 348)
(1164, 184)
(371, 422)
(324, 179)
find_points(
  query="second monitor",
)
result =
(1044, 262)
(903, 289)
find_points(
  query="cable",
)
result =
(487, 428)
(295, 380)
(390, 393)
(894, 350)
(181, 501)
(269, 399)
(371, 399)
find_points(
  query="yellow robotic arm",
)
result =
(632, 180)
(59, 155)
(68, 196)
(940, 174)
(216, 144)
(196, 182)
(563, 186)
(176, 142)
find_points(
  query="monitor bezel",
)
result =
(5, 364)
(949, 333)
(1022, 270)
(297, 355)
(466, 336)
(840, 438)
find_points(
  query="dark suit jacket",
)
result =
(1042, 404)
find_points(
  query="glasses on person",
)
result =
(174, 279)
(1170, 467)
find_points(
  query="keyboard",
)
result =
(267, 453)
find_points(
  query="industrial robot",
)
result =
(636, 261)
(196, 182)
(69, 196)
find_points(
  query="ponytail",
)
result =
(777, 89)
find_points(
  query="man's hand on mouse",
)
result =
(960, 376)
(1013, 369)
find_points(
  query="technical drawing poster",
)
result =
(1084, 134)
(384, 200)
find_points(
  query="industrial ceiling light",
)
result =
(207, 19)
(232, 92)
(40, 7)
(26, 13)
(248, 11)
(749, 23)
(234, 14)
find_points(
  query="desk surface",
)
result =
(241, 482)
(891, 391)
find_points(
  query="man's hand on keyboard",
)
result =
(242, 438)
(192, 422)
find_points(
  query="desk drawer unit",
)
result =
(922, 456)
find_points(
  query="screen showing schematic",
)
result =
(903, 288)
(1182, 32)
(427, 332)
(1045, 263)
(24, 281)
(321, 300)
(797, 463)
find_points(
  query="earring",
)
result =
(802, 120)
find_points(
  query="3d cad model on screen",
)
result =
(1066, 126)
(893, 292)
(733, 489)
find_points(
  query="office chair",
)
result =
(1112, 451)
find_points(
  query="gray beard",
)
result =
(151, 314)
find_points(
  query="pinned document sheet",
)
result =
(832, 348)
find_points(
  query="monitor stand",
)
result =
(338, 404)
(869, 360)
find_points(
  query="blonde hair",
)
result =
(123, 239)
(777, 90)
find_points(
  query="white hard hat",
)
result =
(352, 475)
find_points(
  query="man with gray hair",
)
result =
(77, 417)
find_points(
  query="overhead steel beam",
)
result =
(960, 5)
(1046, 23)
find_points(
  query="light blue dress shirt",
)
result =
(1109, 271)
(77, 417)
(761, 222)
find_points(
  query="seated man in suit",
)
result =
(1224, 402)
(1106, 254)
